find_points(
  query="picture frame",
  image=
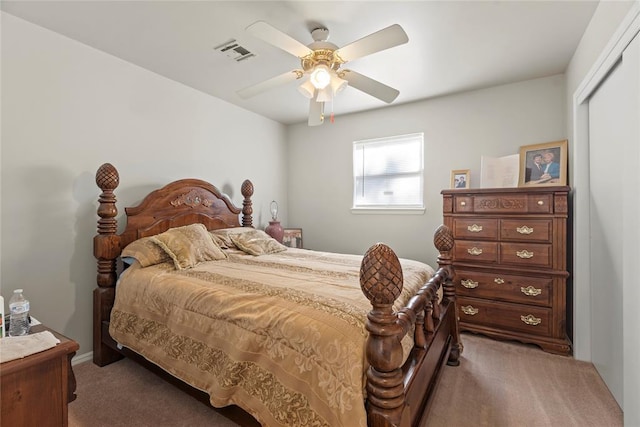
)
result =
(543, 164)
(292, 238)
(460, 178)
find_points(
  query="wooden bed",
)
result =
(398, 394)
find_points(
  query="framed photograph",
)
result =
(543, 164)
(460, 178)
(292, 237)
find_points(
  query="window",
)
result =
(388, 173)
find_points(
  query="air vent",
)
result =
(233, 50)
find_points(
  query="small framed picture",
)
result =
(292, 237)
(460, 178)
(543, 164)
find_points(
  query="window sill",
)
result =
(388, 211)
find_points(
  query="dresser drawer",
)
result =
(504, 287)
(503, 203)
(470, 228)
(526, 230)
(506, 316)
(526, 254)
(462, 204)
(541, 203)
(475, 251)
(513, 203)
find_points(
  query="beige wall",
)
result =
(68, 108)
(458, 130)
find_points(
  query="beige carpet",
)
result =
(497, 384)
(511, 384)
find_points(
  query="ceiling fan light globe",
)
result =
(320, 77)
(338, 85)
(307, 89)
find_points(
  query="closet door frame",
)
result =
(612, 53)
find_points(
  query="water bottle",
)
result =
(18, 314)
(2, 333)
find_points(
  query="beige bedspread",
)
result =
(280, 335)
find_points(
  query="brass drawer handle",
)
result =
(470, 310)
(530, 291)
(475, 251)
(469, 284)
(524, 254)
(498, 280)
(529, 319)
(524, 230)
(475, 228)
(463, 203)
(540, 202)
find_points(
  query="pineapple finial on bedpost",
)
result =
(444, 241)
(247, 205)
(381, 282)
(107, 178)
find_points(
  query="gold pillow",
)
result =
(257, 242)
(146, 251)
(222, 236)
(188, 246)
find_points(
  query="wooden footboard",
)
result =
(398, 394)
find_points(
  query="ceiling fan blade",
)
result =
(386, 38)
(316, 112)
(370, 86)
(277, 38)
(258, 88)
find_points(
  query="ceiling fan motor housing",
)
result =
(321, 55)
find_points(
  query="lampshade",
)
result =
(307, 89)
(320, 77)
(338, 84)
(274, 210)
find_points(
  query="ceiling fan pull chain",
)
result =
(331, 117)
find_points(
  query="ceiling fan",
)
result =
(322, 61)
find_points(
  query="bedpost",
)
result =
(443, 241)
(247, 205)
(381, 282)
(106, 249)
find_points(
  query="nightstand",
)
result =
(36, 389)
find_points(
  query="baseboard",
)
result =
(81, 358)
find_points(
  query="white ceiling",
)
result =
(453, 45)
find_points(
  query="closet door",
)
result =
(614, 164)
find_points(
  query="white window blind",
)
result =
(388, 173)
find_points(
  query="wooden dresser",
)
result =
(510, 260)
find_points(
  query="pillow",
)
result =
(188, 246)
(146, 251)
(222, 236)
(256, 242)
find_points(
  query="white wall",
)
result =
(458, 130)
(68, 108)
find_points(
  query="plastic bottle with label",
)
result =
(2, 332)
(18, 314)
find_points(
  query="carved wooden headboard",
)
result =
(183, 202)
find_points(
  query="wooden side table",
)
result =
(36, 389)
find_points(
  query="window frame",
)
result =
(389, 208)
